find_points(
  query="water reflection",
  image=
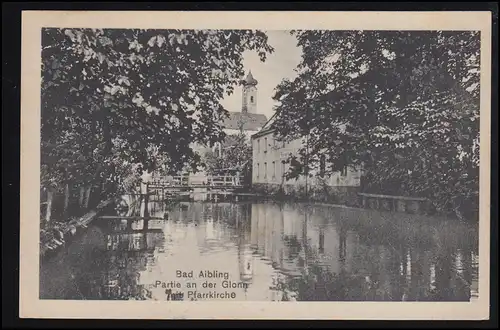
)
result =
(271, 252)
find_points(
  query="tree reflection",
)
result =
(379, 272)
(130, 251)
(297, 253)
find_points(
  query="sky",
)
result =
(269, 74)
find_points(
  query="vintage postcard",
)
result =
(255, 165)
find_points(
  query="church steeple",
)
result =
(249, 102)
(250, 80)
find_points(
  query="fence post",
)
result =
(146, 200)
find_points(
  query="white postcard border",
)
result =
(30, 304)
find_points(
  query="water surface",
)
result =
(268, 252)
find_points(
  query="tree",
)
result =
(111, 96)
(402, 104)
(236, 152)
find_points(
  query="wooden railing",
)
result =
(208, 181)
(225, 180)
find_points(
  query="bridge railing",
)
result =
(225, 180)
(211, 181)
(181, 180)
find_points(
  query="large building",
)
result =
(246, 121)
(270, 167)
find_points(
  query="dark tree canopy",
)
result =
(404, 105)
(113, 97)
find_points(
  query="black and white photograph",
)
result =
(259, 165)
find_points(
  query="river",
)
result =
(264, 251)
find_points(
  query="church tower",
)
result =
(249, 104)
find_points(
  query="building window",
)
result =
(258, 169)
(322, 165)
(283, 169)
(274, 169)
(265, 144)
(258, 145)
(265, 170)
(251, 99)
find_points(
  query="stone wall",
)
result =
(345, 195)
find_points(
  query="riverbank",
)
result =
(349, 198)
(57, 233)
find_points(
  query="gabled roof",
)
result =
(250, 121)
(266, 128)
(271, 120)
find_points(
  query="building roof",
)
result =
(266, 128)
(250, 80)
(250, 121)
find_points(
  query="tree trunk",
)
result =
(106, 130)
(458, 210)
(66, 200)
(459, 214)
(87, 196)
(146, 212)
(82, 195)
(133, 205)
(50, 198)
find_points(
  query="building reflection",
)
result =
(313, 252)
(245, 252)
(217, 224)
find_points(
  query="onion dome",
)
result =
(250, 80)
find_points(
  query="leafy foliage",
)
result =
(404, 105)
(113, 98)
(236, 152)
